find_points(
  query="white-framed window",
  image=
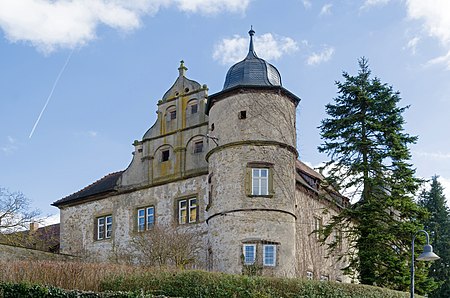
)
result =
(269, 254)
(260, 181)
(309, 275)
(249, 251)
(187, 211)
(145, 218)
(104, 227)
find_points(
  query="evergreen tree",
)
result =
(438, 225)
(368, 151)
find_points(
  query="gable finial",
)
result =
(182, 69)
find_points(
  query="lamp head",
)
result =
(428, 254)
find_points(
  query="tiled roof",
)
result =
(103, 185)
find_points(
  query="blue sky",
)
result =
(121, 56)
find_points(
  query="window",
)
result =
(249, 251)
(173, 115)
(260, 181)
(198, 147)
(242, 115)
(104, 227)
(269, 255)
(194, 109)
(324, 278)
(317, 226)
(309, 275)
(145, 218)
(187, 211)
(165, 154)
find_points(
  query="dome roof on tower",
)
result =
(252, 71)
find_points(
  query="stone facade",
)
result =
(223, 167)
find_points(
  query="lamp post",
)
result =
(427, 255)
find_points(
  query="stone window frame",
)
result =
(249, 178)
(107, 227)
(189, 208)
(147, 224)
(165, 155)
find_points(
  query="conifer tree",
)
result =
(369, 156)
(438, 224)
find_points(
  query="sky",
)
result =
(80, 79)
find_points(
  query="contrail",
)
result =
(51, 93)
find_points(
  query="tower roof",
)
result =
(252, 71)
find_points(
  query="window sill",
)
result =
(260, 196)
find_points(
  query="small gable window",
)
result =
(198, 147)
(145, 218)
(165, 154)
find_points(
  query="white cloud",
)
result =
(326, 9)
(92, 133)
(412, 44)
(267, 46)
(318, 58)
(372, 3)
(10, 146)
(435, 19)
(307, 4)
(446, 185)
(432, 155)
(213, 6)
(52, 24)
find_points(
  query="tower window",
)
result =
(165, 154)
(269, 254)
(249, 251)
(173, 115)
(260, 182)
(242, 115)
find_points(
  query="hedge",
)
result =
(200, 284)
(25, 290)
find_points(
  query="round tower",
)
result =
(251, 209)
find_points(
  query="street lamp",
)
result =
(427, 255)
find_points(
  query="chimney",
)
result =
(34, 226)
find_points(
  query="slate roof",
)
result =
(104, 185)
(252, 71)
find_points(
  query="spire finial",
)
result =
(251, 33)
(182, 69)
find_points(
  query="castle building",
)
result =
(223, 167)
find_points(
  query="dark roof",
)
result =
(44, 238)
(104, 185)
(252, 71)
